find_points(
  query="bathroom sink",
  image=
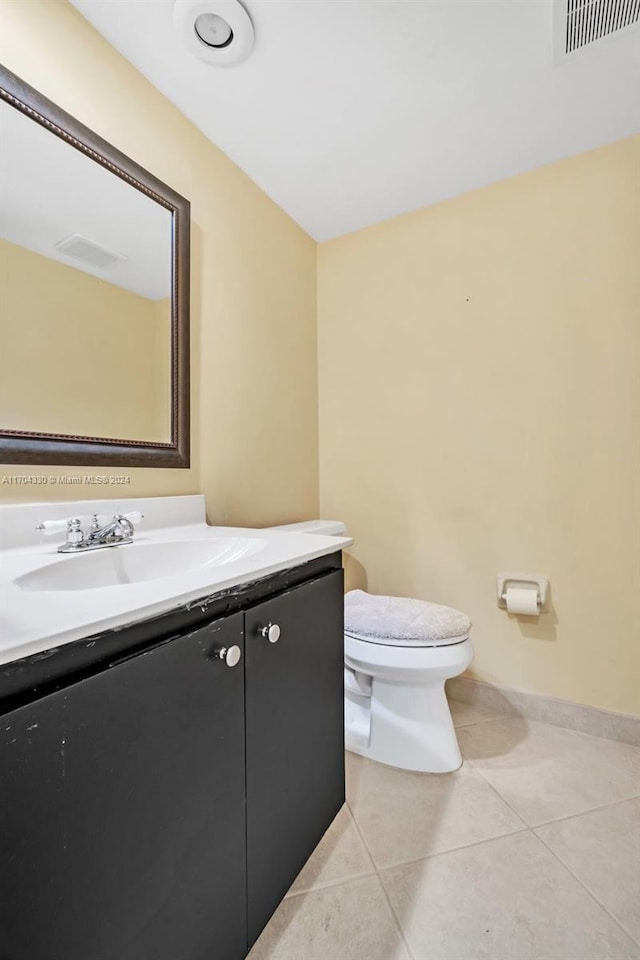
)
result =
(137, 563)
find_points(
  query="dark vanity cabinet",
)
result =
(123, 810)
(295, 737)
(159, 807)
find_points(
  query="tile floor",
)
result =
(530, 850)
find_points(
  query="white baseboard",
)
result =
(504, 701)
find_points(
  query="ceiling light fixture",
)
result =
(220, 32)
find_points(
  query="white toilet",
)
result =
(398, 653)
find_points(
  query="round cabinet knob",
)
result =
(270, 633)
(230, 655)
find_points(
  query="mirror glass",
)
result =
(85, 294)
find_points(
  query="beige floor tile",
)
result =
(465, 713)
(404, 816)
(602, 849)
(351, 921)
(508, 899)
(547, 772)
(340, 855)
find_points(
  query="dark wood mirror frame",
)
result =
(47, 448)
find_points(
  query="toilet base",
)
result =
(396, 710)
(403, 725)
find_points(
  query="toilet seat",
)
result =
(402, 622)
(409, 643)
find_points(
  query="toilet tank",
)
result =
(327, 528)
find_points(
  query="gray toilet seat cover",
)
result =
(399, 619)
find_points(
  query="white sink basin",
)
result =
(138, 562)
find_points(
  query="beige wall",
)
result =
(477, 360)
(79, 355)
(254, 451)
(479, 412)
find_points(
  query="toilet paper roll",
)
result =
(523, 599)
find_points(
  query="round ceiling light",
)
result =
(219, 32)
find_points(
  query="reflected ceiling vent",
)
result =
(89, 252)
(579, 24)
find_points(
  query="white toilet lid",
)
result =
(402, 621)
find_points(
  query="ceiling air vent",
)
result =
(581, 23)
(90, 252)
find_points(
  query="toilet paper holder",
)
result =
(506, 580)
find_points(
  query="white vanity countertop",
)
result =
(35, 621)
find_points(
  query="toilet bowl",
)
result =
(398, 653)
(396, 710)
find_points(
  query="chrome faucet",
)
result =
(117, 531)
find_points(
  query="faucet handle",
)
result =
(51, 527)
(133, 517)
(126, 521)
(74, 531)
(97, 521)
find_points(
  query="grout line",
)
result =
(533, 830)
(362, 838)
(395, 918)
(526, 828)
(581, 813)
(499, 795)
(474, 843)
(445, 853)
(472, 723)
(531, 720)
(475, 723)
(525, 710)
(587, 890)
(326, 884)
(356, 825)
(543, 823)
(396, 922)
(572, 816)
(361, 835)
(583, 733)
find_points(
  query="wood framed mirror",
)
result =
(94, 296)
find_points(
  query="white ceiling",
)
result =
(349, 112)
(49, 190)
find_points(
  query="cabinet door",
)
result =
(122, 820)
(294, 736)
